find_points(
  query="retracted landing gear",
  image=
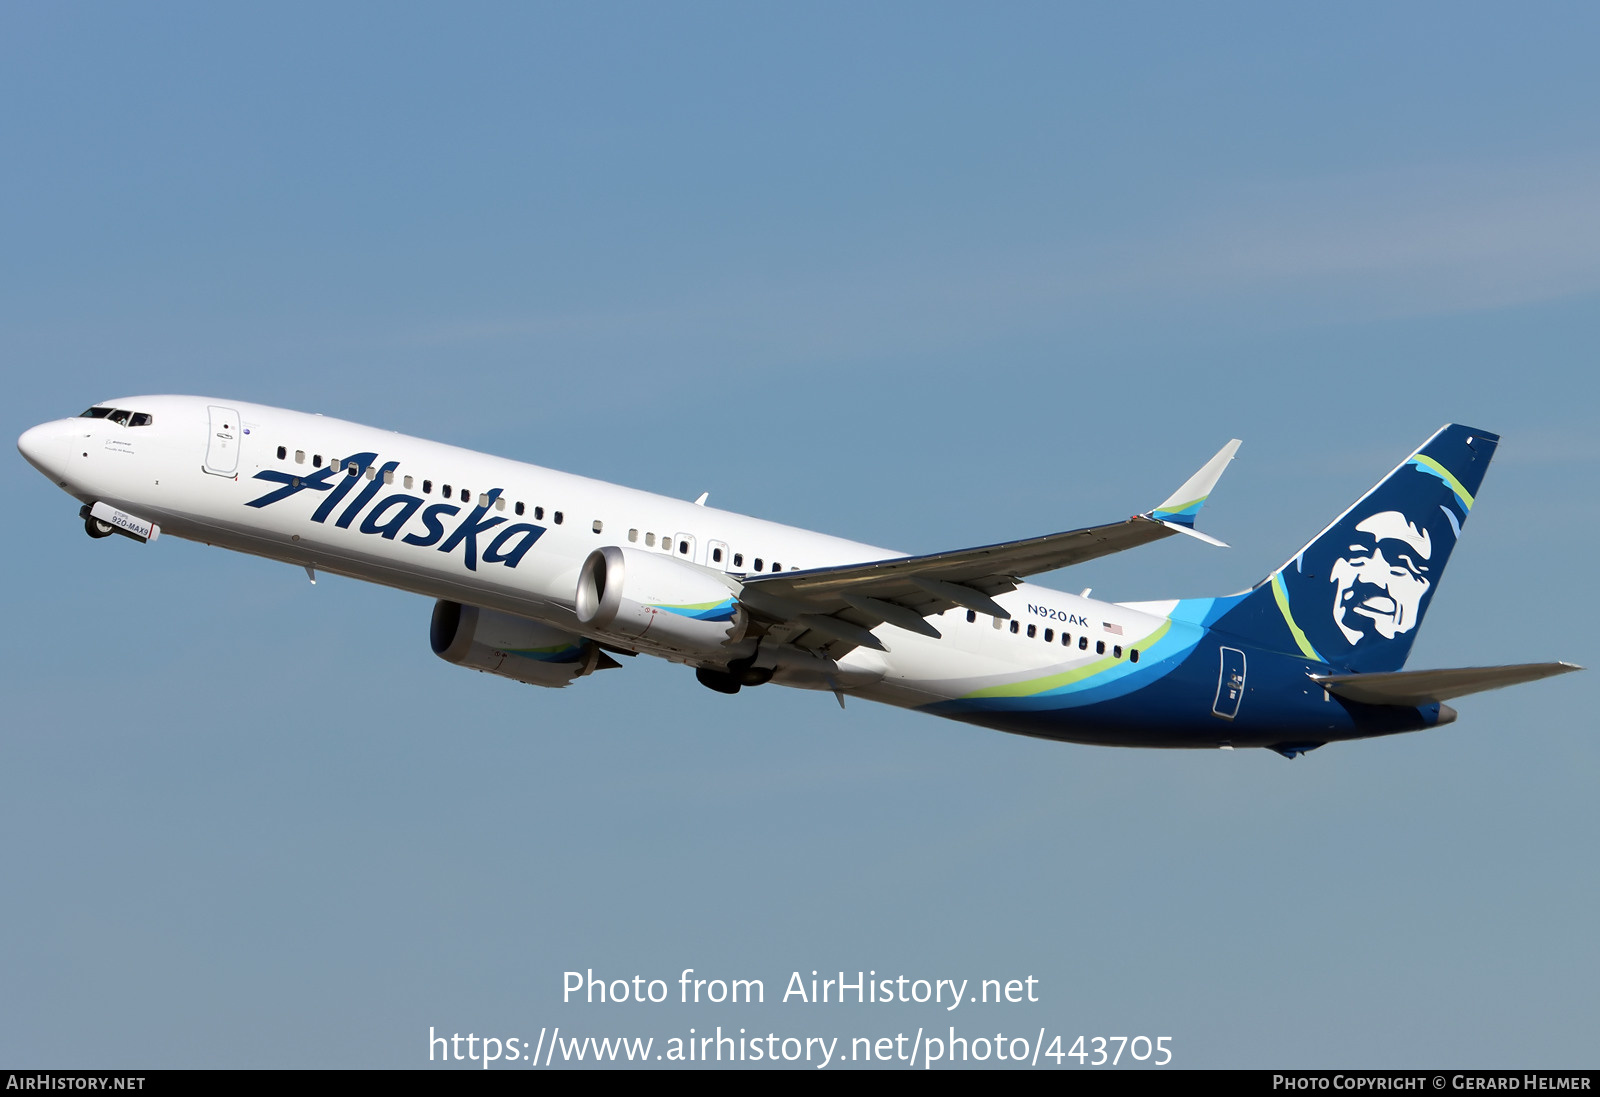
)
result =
(739, 674)
(1292, 751)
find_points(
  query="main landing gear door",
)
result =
(1230, 684)
(222, 444)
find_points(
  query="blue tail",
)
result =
(1355, 596)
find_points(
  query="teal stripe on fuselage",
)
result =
(1118, 680)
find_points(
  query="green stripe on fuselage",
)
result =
(1065, 678)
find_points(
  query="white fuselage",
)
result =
(394, 524)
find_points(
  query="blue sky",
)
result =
(920, 275)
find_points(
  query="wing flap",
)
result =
(1426, 687)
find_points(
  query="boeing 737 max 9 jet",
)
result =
(542, 577)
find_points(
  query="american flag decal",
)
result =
(1115, 630)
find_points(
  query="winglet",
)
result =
(1182, 505)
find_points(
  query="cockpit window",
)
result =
(120, 415)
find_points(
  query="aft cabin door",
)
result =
(1230, 684)
(222, 446)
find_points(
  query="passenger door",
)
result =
(222, 444)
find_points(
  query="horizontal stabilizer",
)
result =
(1426, 687)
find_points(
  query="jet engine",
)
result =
(512, 647)
(659, 600)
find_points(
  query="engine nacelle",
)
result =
(512, 647)
(660, 600)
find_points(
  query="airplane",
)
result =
(544, 577)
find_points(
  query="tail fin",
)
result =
(1354, 597)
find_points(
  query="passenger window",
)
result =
(335, 464)
(633, 535)
(520, 508)
(538, 514)
(999, 623)
(299, 456)
(972, 616)
(427, 487)
(650, 540)
(283, 452)
(683, 549)
(447, 492)
(1133, 655)
(1083, 643)
(758, 563)
(776, 566)
(558, 517)
(1099, 647)
(388, 476)
(353, 470)
(316, 460)
(1032, 631)
(1049, 635)
(466, 495)
(1015, 627)
(1116, 651)
(738, 559)
(598, 525)
(716, 555)
(408, 482)
(372, 473)
(1066, 640)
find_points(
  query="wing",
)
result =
(837, 608)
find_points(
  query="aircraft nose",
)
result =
(44, 446)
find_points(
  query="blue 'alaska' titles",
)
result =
(389, 518)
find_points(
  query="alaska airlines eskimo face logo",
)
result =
(390, 516)
(1367, 579)
(1379, 584)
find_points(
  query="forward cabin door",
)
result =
(222, 444)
